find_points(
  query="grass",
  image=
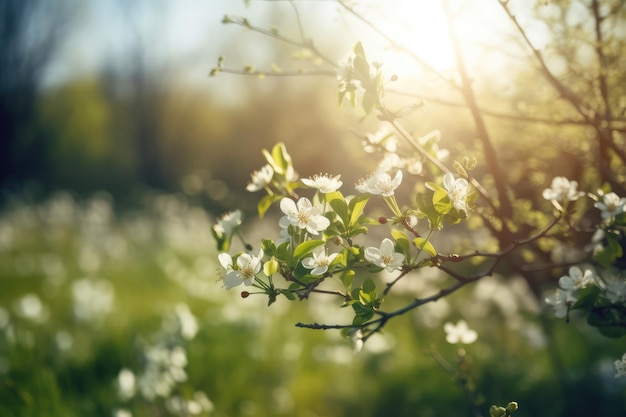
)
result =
(87, 292)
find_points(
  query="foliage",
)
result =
(89, 297)
(330, 222)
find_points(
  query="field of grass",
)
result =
(105, 313)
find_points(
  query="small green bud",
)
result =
(227, 19)
(214, 72)
(496, 411)
(512, 406)
(220, 61)
(270, 267)
(469, 163)
(249, 69)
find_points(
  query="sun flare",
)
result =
(420, 27)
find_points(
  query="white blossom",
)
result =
(611, 205)
(458, 191)
(382, 139)
(261, 178)
(356, 335)
(304, 215)
(560, 301)
(126, 384)
(380, 183)
(247, 268)
(392, 161)
(576, 279)
(323, 182)
(385, 256)
(615, 290)
(319, 261)
(562, 190)
(228, 223)
(459, 333)
(620, 367)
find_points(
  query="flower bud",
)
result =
(512, 406)
(496, 411)
(245, 294)
(382, 220)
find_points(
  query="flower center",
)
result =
(247, 272)
(387, 260)
(304, 217)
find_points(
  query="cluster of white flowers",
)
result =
(93, 299)
(392, 161)
(197, 405)
(620, 367)
(566, 296)
(383, 139)
(613, 285)
(610, 281)
(164, 366)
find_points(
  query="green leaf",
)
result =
(357, 205)
(271, 299)
(266, 202)
(342, 95)
(402, 242)
(279, 158)
(283, 253)
(291, 291)
(425, 245)
(305, 248)
(609, 320)
(346, 278)
(358, 50)
(362, 318)
(370, 99)
(587, 298)
(360, 64)
(363, 310)
(441, 201)
(369, 286)
(269, 247)
(620, 219)
(339, 205)
(289, 295)
(609, 254)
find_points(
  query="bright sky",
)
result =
(189, 33)
(171, 29)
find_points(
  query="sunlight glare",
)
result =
(421, 27)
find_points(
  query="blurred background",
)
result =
(118, 151)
